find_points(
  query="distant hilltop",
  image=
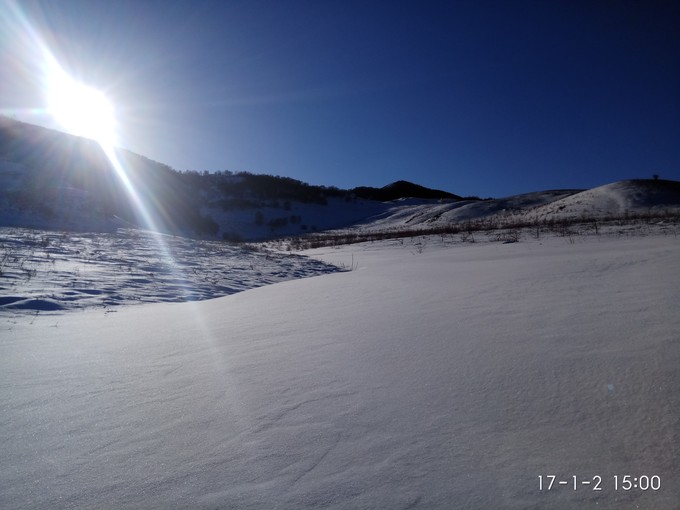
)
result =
(49, 179)
(401, 189)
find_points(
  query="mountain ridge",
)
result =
(49, 179)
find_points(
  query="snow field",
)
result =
(51, 271)
(447, 378)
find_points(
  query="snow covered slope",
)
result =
(617, 199)
(448, 378)
(419, 213)
(337, 213)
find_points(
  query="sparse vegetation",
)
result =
(44, 270)
(498, 229)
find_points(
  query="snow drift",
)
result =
(448, 378)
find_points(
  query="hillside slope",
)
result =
(50, 179)
(625, 199)
(53, 180)
(630, 197)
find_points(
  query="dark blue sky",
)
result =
(490, 98)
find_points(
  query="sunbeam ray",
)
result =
(74, 113)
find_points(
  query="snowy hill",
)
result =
(626, 199)
(403, 213)
(615, 200)
(53, 180)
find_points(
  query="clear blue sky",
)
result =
(490, 98)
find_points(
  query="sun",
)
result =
(80, 109)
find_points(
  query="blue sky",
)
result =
(489, 98)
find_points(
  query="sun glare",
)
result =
(80, 109)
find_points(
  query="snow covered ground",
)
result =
(42, 271)
(433, 375)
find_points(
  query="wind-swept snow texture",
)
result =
(448, 378)
(46, 271)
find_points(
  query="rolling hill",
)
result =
(50, 179)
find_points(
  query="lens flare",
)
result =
(80, 109)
